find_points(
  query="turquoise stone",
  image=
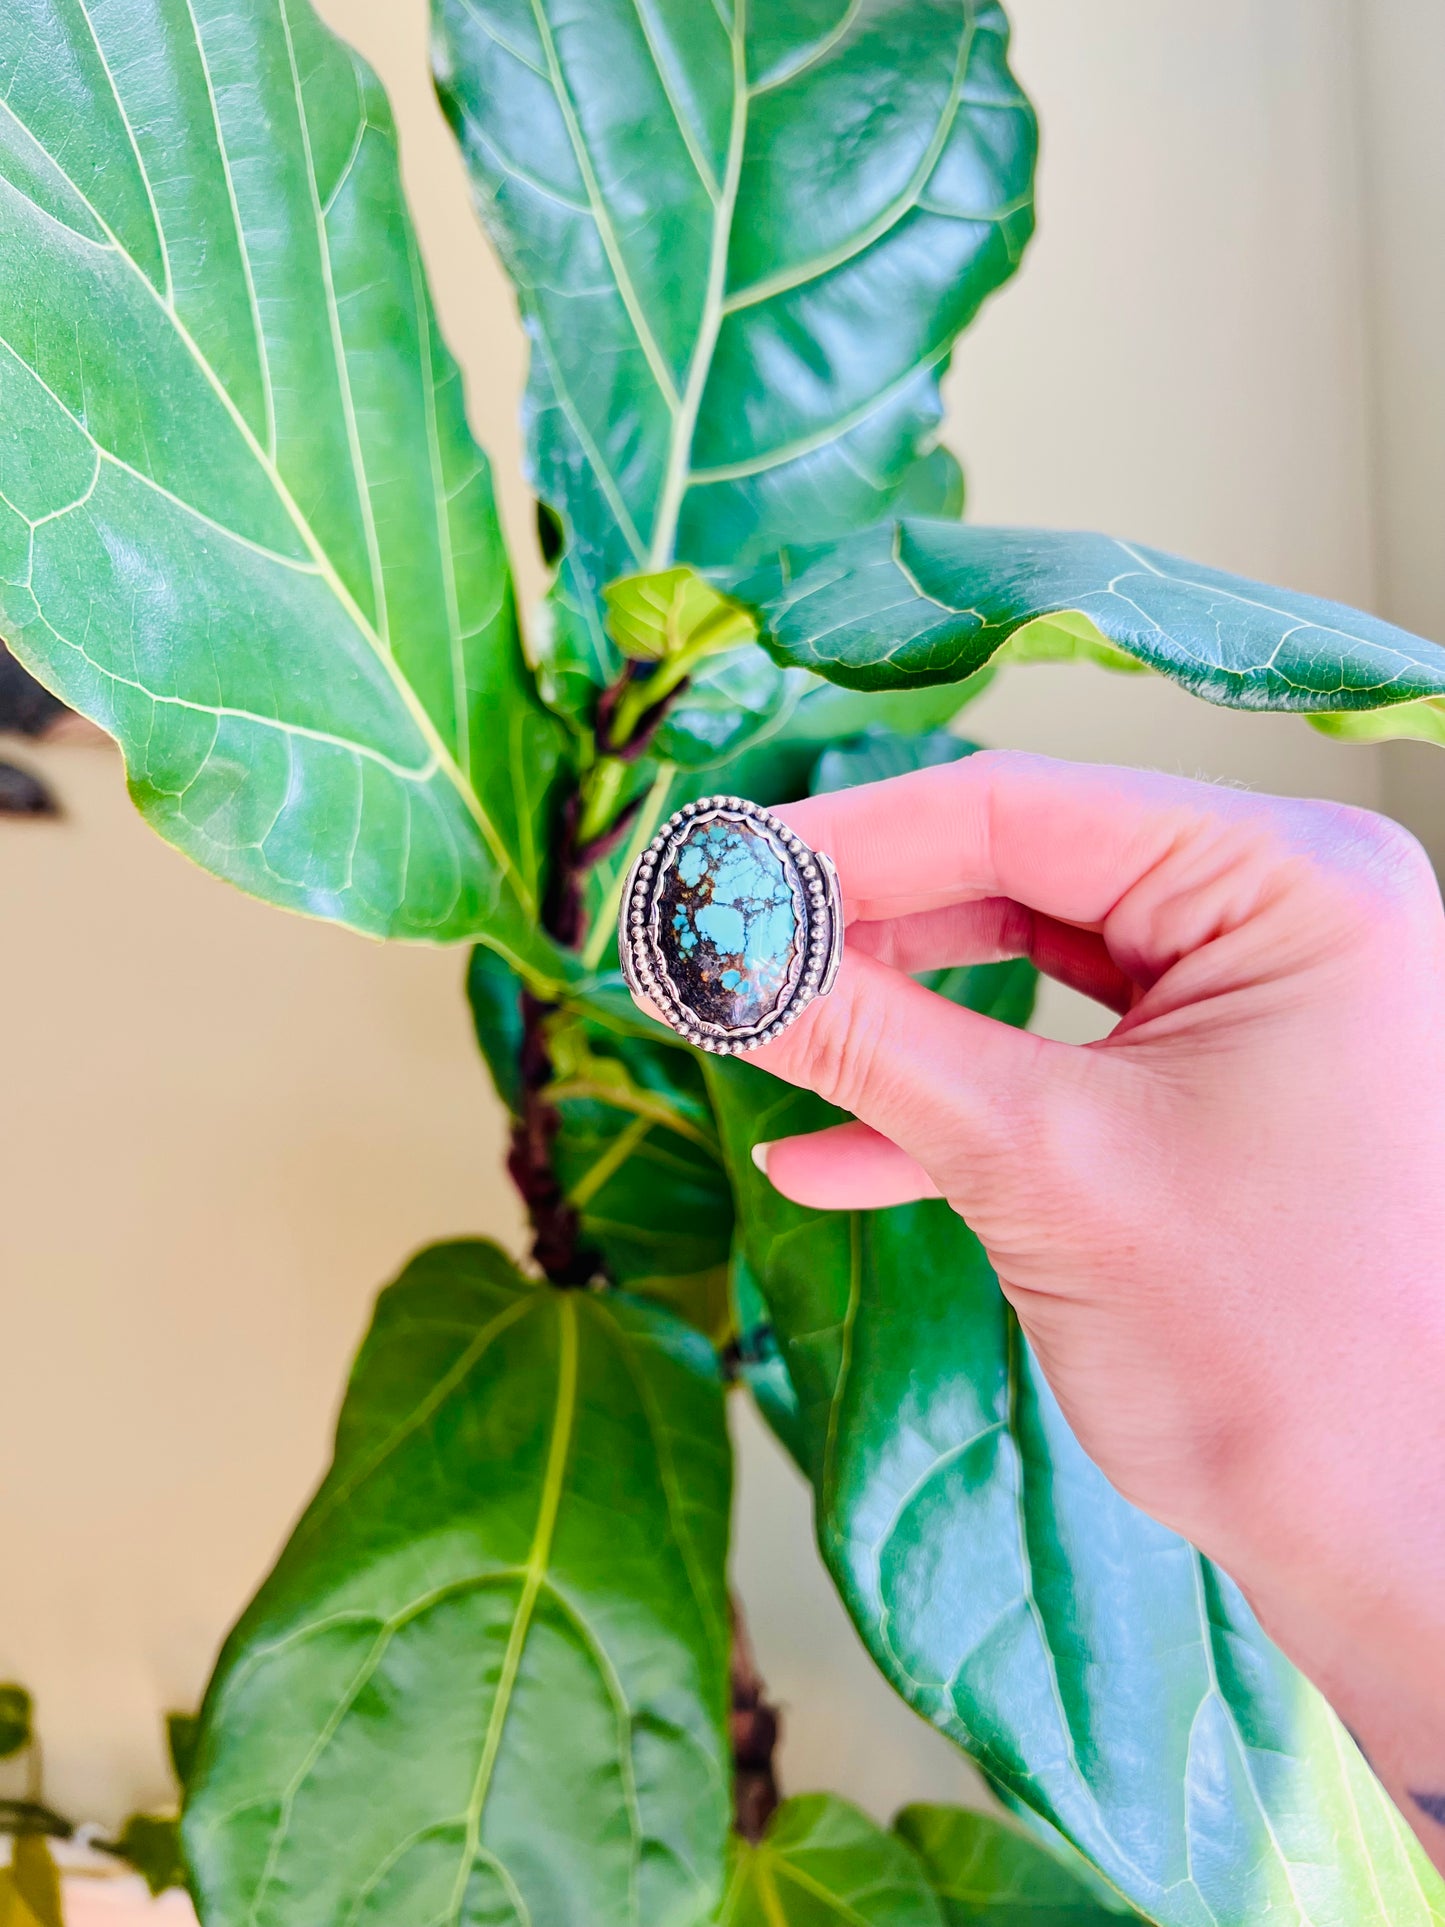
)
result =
(729, 924)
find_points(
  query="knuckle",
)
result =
(843, 1043)
(1357, 853)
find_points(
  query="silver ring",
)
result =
(730, 925)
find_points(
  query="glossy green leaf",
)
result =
(759, 1360)
(494, 991)
(487, 1680)
(183, 1732)
(744, 240)
(919, 602)
(1101, 1673)
(243, 524)
(822, 1863)
(987, 1873)
(675, 613)
(150, 1844)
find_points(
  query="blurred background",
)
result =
(223, 1128)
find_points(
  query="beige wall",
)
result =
(1399, 57)
(224, 1127)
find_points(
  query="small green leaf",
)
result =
(822, 1863)
(16, 1710)
(987, 1873)
(677, 624)
(921, 602)
(151, 1844)
(487, 1679)
(658, 618)
(183, 1732)
(494, 991)
(1419, 722)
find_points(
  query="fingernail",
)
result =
(760, 1155)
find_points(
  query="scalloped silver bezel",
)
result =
(819, 912)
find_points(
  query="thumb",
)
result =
(948, 1087)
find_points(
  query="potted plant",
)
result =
(495, 1675)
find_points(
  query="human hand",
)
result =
(1222, 1226)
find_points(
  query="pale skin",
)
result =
(1222, 1226)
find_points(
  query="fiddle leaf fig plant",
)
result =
(495, 1676)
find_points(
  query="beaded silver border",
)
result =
(637, 928)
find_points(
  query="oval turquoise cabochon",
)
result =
(730, 923)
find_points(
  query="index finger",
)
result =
(1068, 839)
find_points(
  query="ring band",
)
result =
(730, 925)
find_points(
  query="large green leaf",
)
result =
(744, 240)
(1103, 1675)
(987, 1873)
(487, 1680)
(242, 522)
(822, 1863)
(919, 602)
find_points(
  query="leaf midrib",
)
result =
(601, 214)
(444, 760)
(538, 1559)
(676, 476)
(333, 323)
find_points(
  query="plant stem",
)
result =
(639, 695)
(556, 1229)
(753, 1728)
(590, 824)
(588, 827)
